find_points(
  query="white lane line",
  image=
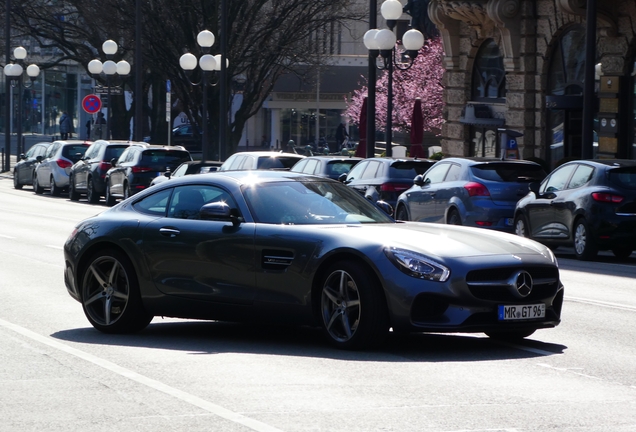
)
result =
(149, 382)
(7, 237)
(601, 303)
(55, 247)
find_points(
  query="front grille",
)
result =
(493, 284)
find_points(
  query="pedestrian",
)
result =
(89, 123)
(99, 126)
(264, 142)
(341, 134)
(65, 126)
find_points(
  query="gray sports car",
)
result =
(291, 248)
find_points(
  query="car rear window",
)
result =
(408, 170)
(337, 168)
(623, 177)
(164, 158)
(74, 152)
(281, 162)
(114, 152)
(509, 172)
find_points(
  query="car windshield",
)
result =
(623, 177)
(408, 170)
(310, 202)
(280, 162)
(509, 172)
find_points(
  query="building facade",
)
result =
(517, 66)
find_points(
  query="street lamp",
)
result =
(382, 42)
(208, 63)
(110, 69)
(13, 73)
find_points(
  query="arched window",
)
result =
(489, 75)
(567, 69)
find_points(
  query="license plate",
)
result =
(521, 312)
(509, 221)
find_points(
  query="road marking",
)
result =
(55, 247)
(141, 379)
(601, 303)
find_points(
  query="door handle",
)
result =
(169, 232)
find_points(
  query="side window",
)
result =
(92, 151)
(371, 170)
(180, 171)
(32, 152)
(299, 167)
(454, 173)
(356, 171)
(582, 175)
(51, 151)
(247, 164)
(558, 179)
(188, 200)
(155, 204)
(311, 166)
(437, 173)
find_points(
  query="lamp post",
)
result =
(208, 64)
(382, 42)
(110, 69)
(13, 73)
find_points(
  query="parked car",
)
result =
(326, 166)
(138, 165)
(260, 160)
(478, 192)
(188, 168)
(54, 167)
(385, 178)
(188, 136)
(588, 204)
(88, 175)
(23, 169)
(248, 246)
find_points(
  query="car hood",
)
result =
(450, 240)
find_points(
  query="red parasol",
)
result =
(417, 130)
(361, 150)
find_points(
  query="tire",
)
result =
(72, 192)
(126, 191)
(453, 218)
(585, 248)
(91, 194)
(521, 226)
(352, 307)
(110, 200)
(110, 294)
(16, 180)
(55, 189)
(401, 213)
(36, 185)
(510, 335)
(622, 252)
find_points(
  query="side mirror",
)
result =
(113, 162)
(534, 187)
(220, 211)
(167, 174)
(385, 207)
(39, 158)
(418, 180)
(342, 178)
(22, 156)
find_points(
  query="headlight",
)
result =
(417, 265)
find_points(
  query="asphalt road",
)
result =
(58, 374)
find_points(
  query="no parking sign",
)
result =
(91, 104)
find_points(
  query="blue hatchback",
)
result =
(479, 192)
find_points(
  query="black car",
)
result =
(588, 204)
(138, 165)
(188, 168)
(88, 175)
(478, 192)
(326, 166)
(385, 178)
(23, 169)
(276, 246)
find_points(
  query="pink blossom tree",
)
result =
(423, 80)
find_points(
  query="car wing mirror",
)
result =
(113, 161)
(418, 180)
(342, 178)
(22, 156)
(385, 207)
(220, 211)
(534, 187)
(39, 158)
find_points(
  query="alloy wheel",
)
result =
(340, 305)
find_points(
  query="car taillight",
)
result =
(393, 187)
(476, 189)
(104, 166)
(606, 197)
(140, 169)
(63, 163)
(483, 223)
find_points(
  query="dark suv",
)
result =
(88, 175)
(138, 165)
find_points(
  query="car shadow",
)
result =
(213, 337)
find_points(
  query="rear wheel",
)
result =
(110, 294)
(352, 307)
(622, 252)
(402, 214)
(521, 226)
(72, 192)
(110, 200)
(510, 335)
(55, 189)
(453, 218)
(16, 180)
(36, 185)
(91, 193)
(584, 245)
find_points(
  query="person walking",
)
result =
(65, 126)
(341, 134)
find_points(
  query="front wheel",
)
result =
(91, 194)
(584, 246)
(126, 191)
(72, 192)
(16, 180)
(110, 294)
(36, 185)
(352, 308)
(110, 199)
(521, 226)
(402, 214)
(453, 218)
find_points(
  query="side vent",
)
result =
(276, 259)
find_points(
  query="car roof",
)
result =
(73, 142)
(268, 153)
(611, 163)
(478, 159)
(334, 157)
